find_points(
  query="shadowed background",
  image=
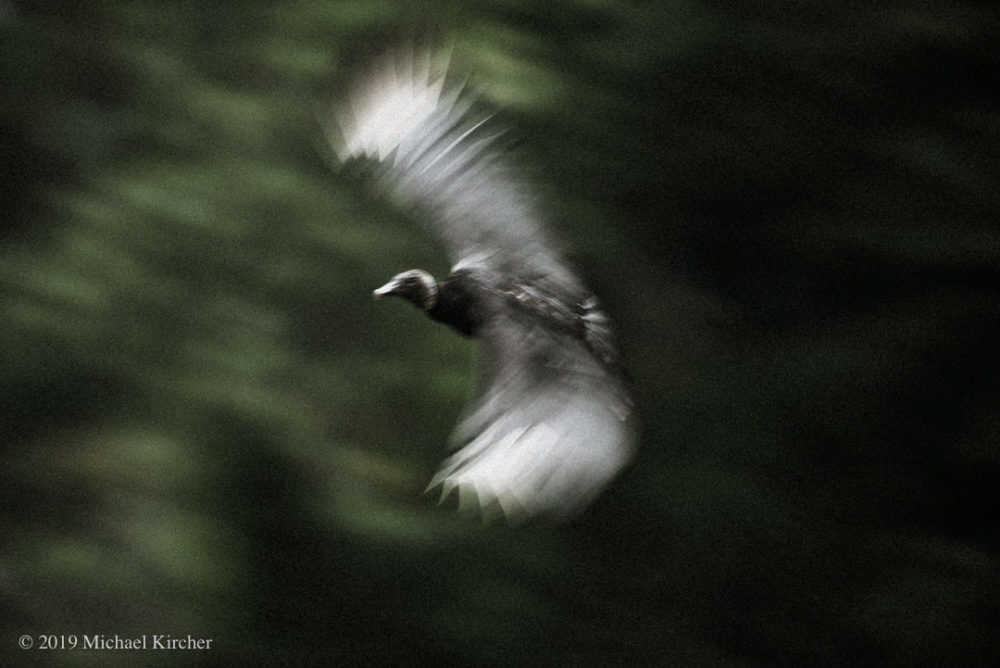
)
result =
(207, 428)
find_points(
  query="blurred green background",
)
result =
(790, 209)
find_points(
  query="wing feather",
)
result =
(548, 431)
(441, 159)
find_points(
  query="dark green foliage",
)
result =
(207, 427)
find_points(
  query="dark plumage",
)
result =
(548, 429)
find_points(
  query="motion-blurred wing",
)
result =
(439, 158)
(548, 431)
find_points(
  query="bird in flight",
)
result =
(549, 428)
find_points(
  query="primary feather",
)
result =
(548, 430)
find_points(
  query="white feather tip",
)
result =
(389, 102)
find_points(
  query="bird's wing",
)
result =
(439, 157)
(549, 429)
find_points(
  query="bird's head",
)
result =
(415, 285)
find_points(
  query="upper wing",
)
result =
(438, 157)
(549, 430)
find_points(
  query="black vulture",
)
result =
(549, 428)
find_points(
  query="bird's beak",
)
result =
(384, 290)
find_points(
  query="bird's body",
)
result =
(464, 303)
(549, 428)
